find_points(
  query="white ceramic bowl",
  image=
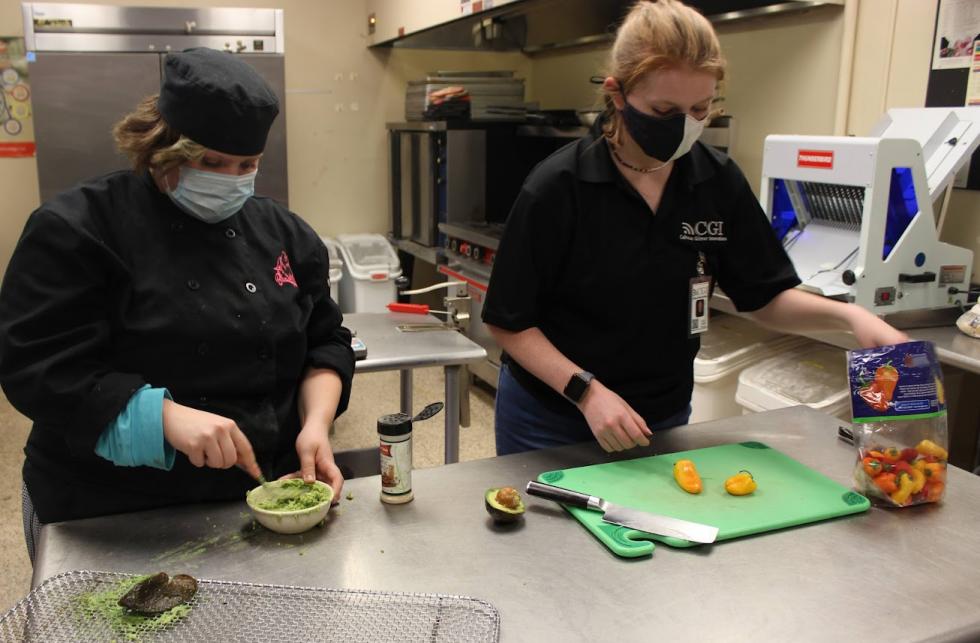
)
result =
(288, 522)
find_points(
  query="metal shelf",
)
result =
(431, 254)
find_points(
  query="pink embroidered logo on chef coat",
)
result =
(283, 273)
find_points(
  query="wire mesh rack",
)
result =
(81, 606)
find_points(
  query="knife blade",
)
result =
(627, 517)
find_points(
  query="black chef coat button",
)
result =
(192, 284)
(263, 353)
(202, 349)
(230, 233)
(203, 399)
(177, 227)
(249, 286)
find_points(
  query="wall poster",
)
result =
(16, 125)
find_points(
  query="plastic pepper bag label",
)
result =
(898, 381)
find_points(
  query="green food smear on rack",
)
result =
(310, 496)
(104, 606)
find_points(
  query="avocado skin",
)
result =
(500, 514)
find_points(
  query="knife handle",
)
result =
(558, 494)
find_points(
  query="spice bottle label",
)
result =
(396, 467)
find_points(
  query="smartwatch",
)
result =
(577, 385)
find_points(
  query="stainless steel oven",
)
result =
(469, 251)
(452, 187)
(435, 170)
(461, 173)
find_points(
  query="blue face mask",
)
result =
(210, 196)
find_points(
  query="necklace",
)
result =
(642, 170)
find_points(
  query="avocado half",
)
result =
(504, 508)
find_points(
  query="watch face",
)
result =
(577, 385)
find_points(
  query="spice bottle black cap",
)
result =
(395, 424)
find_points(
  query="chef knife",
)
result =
(626, 517)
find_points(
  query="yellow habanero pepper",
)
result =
(935, 471)
(928, 447)
(740, 484)
(918, 480)
(687, 476)
(904, 492)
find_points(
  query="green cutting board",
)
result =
(789, 494)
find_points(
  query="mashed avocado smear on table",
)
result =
(104, 606)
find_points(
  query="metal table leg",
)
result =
(452, 413)
(405, 376)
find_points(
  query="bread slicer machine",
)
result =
(855, 214)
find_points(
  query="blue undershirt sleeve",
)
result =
(135, 438)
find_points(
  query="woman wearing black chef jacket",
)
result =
(162, 325)
(599, 288)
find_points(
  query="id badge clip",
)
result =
(699, 292)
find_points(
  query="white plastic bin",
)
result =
(731, 345)
(371, 267)
(814, 374)
(336, 267)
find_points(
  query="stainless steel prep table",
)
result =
(895, 575)
(390, 349)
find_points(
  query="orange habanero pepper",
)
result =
(872, 466)
(934, 491)
(886, 482)
(687, 476)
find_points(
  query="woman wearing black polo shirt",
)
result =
(596, 278)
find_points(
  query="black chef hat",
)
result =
(215, 99)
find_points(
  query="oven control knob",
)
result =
(464, 249)
(476, 253)
(453, 243)
(848, 277)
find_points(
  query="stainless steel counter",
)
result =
(885, 575)
(952, 346)
(390, 349)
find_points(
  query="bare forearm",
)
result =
(535, 353)
(319, 395)
(794, 310)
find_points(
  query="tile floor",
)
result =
(374, 394)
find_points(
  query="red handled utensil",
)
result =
(417, 309)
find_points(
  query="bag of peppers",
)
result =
(899, 423)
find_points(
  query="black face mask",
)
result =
(659, 138)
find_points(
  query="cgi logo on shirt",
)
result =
(703, 231)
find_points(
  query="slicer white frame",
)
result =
(933, 143)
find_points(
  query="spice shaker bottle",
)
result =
(395, 436)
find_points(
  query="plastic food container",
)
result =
(812, 374)
(336, 268)
(731, 345)
(371, 267)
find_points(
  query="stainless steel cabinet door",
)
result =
(271, 180)
(76, 99)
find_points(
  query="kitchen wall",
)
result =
(339, 94)
(782, 78)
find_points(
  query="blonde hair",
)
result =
(150, 143)
(659, 34)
